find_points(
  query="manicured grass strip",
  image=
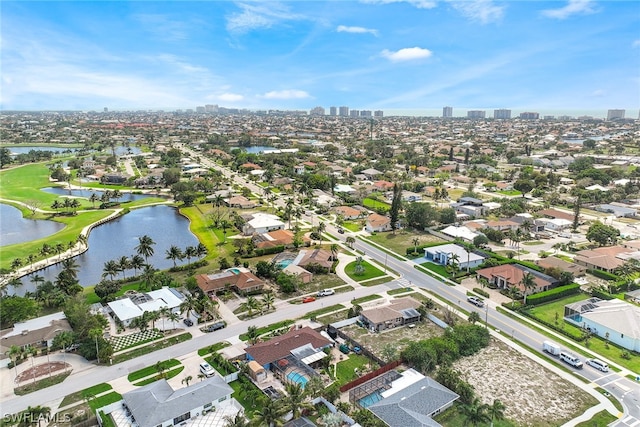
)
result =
(212, 348)
(158, 345)
(105, 400)
(613, 400)
(365, 299)
(150, 370)
(376, 204)
(602, 418)
(369, 272)
(341, 289)
(399, 291)
(352, 226)
(325, 310)
(39, 385)
(269, 328)
(436, 268)
(106, 420)
(80, 395)
(167, 375)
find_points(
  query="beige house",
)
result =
(377, 222)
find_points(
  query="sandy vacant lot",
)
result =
(533, 395)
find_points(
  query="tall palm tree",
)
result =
(145, 247)
(93, 199)
(136, 262)
(252, 335)
(111, 268)
(475, 413)
(238, 421)
(164, 312)
(63, 340)
(96, 333)
(148, 275)
(174, 253)
(268, 300)
(350, 241)
(269, 415)
(16, 264)
(334, 251)
(173, 317)
(14, 352)
(528, 283)
(189, 252)
(153, 317)
(124, 263)
(416, 242)
(189, 305)
(496, 410)
(201, 250)
(295, 399)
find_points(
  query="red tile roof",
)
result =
(280, 347)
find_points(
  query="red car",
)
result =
(308, 299)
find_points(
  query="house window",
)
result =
(208, 405)
(222, 399)
(181, 418)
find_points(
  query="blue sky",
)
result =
(370, 54)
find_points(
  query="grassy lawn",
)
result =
(352, 226)
(150, 370)
(199, 225)
(510, 192)
(452, 418)
(105, 400)
(375, 204)
(402, 240)
(370, 271)
(346, 369)
(212, 348)
(366, 299)
(399, 291)
(39, 385)
(167, 375)
(436, 268)
(602, 418)
(269, 328)
(80, 395)
(324, 310)
(548, 312)
(248, 403)
(156, 345)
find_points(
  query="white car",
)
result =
(326, 292)
(476, 301)
(206, 369)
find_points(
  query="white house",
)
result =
(133, 306)
(442, 255)
(159, 405)
(461, 232)
(262, 223)
(377, 222)
(556, 224)
(615, 320)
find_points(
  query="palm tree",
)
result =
(252, 335)
(268, 300)
(30, 259)
(145, 247)
(136, 262)
(14, 352)
(124, 263)
(496, 410)
(201, 250)
(334, 251)
(34, 414)
(294, 401)
(475, 413)
(173, 317)
(174, 253)
(189, 252)
(238, 421)
(269, 415)
(189, 305)
(251, 304)
(513, 292)
(187, 380)
(350, 241)
(111, 268)
(63, 340)
(95, 333)
(37, 279)
(529, 283)
(153, 316)
(16, 264)
(148, 274)
(164, 312)
(415, 241)
(93, 199)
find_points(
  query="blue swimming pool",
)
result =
(369, 400)
(297, 378)
(284, 263)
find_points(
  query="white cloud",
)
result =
(420, 4)
(636, 43)
(598, 93)
(259, 16)
(483, 11)
(573, 7)
(286, 94)
(356, 30)
(406, 54)
(230, 97)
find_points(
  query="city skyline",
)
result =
(390, 55)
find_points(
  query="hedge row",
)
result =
(553, 294)
(601, 294)
(194, 265)
(603, 274)
(507, 260)
(481, 292)
(553, 326)
(420, 248)
(269, 251)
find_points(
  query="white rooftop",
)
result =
(35, 324)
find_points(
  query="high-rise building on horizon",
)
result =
(200, 110)
(333, 111)
(378, 113)
(615, 114)
(211, 108)
(529, 116)
(476, 114)
(365, 113)
(502, 114)
(317, 111)
(354, 113)
(447, 112)
(343, 111)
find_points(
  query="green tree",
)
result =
(602, 234)
(496, 410)
(252, 335)
(111, 268)
(145, 247)
(475, 413)
(269, 415)
(396, 205)
(174, 253)
(524, 186)
(295, 400)
(5, 157)
(474, 317)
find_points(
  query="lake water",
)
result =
(119, 237)
(86, 193)
(14, 228)
(256, 149)
(120, 150)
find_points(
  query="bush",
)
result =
(193, 265)
(481, 292)
(599, 293)
(603, 274)
(553, 294)
(420, 248)
(269, 251)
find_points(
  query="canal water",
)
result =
(14, 228)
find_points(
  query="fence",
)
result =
(363, 379)
(365, 351)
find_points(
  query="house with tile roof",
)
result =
(347, 212)
(276, 238)
(553, 262)
(320, 257)
(240, 279)
(509, 275)
(377, 222)
(606, 258)
(280, 347)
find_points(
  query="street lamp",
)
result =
(486, 316)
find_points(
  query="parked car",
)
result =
(341, 230)
(344, 348)
(357, 350)
(475, 301)
(598, 364)
(216, 326)
(188, 322)
(308, 299)
(206, 369)
(326, 292)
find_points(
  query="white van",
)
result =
(598, 364)
(207, 370)
(571, 359)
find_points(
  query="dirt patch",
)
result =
(41, 370)
(399, 337)
(533, 396)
